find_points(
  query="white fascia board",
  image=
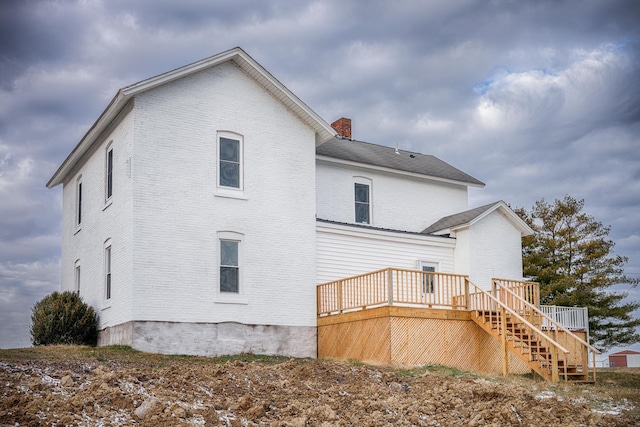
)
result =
(106, 118)
(389, 236)
(328, 159)
(254, 70)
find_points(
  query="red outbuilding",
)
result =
(625, 359)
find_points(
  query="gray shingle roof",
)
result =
(378, 155)
(458, 219)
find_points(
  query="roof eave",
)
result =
(239, 56)
(518, 222)
(396, 171)
(107, 116)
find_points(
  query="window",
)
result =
(229, 266)
(77, 276)
(79, 201)
(363, 204)
(230, 160)
(107, 272)
(109, 173)
(428, 280)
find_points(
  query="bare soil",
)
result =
(84, 390)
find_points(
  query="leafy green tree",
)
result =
(63, 318)
(572, 258)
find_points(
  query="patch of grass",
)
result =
(619, 377)
(446, 371)
(125, 355)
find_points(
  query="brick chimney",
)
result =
(343, 127)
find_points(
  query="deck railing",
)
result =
(393, 286)
(572, 318)
(529, 291)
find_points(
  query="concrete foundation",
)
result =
(213, 339)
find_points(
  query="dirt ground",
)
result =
(284, 392)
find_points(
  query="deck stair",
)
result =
(517, 325)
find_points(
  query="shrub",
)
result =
(63, 318)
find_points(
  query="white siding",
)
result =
(178, 214)
(99, 223)
(462, 264)
(398, 202)
(633, 360)
(495, 250)
(347, 251)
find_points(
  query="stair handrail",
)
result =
(543, 315)
(519, 317)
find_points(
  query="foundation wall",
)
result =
(213, 339)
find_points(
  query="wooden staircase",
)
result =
(551, 351)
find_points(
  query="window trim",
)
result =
(361, 180)
(236, 137)
(231, 297)
(108, 172)
(108, 270)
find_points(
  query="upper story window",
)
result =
(109, 173)
(230, 148)
(79, 201)
(362, 197)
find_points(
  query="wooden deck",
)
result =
(410, 317)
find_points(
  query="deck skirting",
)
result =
(411, 337)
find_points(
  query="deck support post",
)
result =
(505, 352)
(466, 294)
(555, 377)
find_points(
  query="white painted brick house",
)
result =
(205, 204)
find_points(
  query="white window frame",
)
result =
(108, 270)
(231, 297)
(77, 276)
(431, 288)
(108, 174)
(236, 137)
(78, 207)
(361, 180)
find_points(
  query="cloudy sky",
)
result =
(535, 98)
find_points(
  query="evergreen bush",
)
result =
(63, 318)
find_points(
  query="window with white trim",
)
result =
(428, 280)
(362, 199)
(230, 267)
(230, 160)
(79, 201)
(108, 173)
(77, 276)
(107, 271)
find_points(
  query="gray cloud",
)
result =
(537, 99)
